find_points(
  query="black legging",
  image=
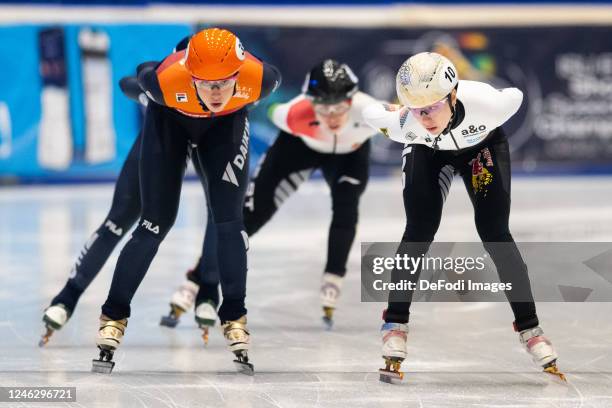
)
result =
(485, 170)
(166, 137)
(124, 212)
(285, 166)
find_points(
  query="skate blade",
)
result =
(43, 342)
(102, 367)
(390, 377)
(45, 337)
(168, 321)
(327, 322)
(244, 367)
(205, 336)
(553, 370)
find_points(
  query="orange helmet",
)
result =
(214, 54)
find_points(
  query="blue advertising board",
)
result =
(63, 117)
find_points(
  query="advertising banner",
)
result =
(63, 117)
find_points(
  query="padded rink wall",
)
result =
(63, 118)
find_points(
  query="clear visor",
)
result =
(333, 109)
(430, 108)
(220, 84)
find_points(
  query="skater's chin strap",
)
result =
(457, 112)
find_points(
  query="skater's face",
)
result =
(434, 118)
(333, 116)
(216, 94)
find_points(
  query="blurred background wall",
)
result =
(63, 117)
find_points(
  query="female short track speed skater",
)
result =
(198, 99)
(124, 212)
(451, 126)
(321, 128)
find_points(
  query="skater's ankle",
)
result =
(525, 323)
(391, 317)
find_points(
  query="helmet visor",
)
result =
(220, 84)
(332, 109)
(434, 107)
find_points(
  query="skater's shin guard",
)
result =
(133, 263)
(231, 251)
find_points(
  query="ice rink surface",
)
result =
(460, 355)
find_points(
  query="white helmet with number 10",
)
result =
(425, 79)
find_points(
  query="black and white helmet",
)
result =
(330, 82)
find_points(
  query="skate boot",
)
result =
(330, 292)
(394, 336)
(205, 317)
(55, 317)
(541, 350)
(109, 337)
(182, 300)
(237, 340)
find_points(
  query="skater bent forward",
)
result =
(198, 98)
(454, 127)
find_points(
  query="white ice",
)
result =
(460, 355)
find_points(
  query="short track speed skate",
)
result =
(182, 300)
(55, 317)
(237, 339)
(328, 317)
(109, 337)
(394, 337)
(541, 350)
(242, 363)
(330, 292)
(391, 374)
(205, 317)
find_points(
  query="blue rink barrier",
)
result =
(62, 72)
